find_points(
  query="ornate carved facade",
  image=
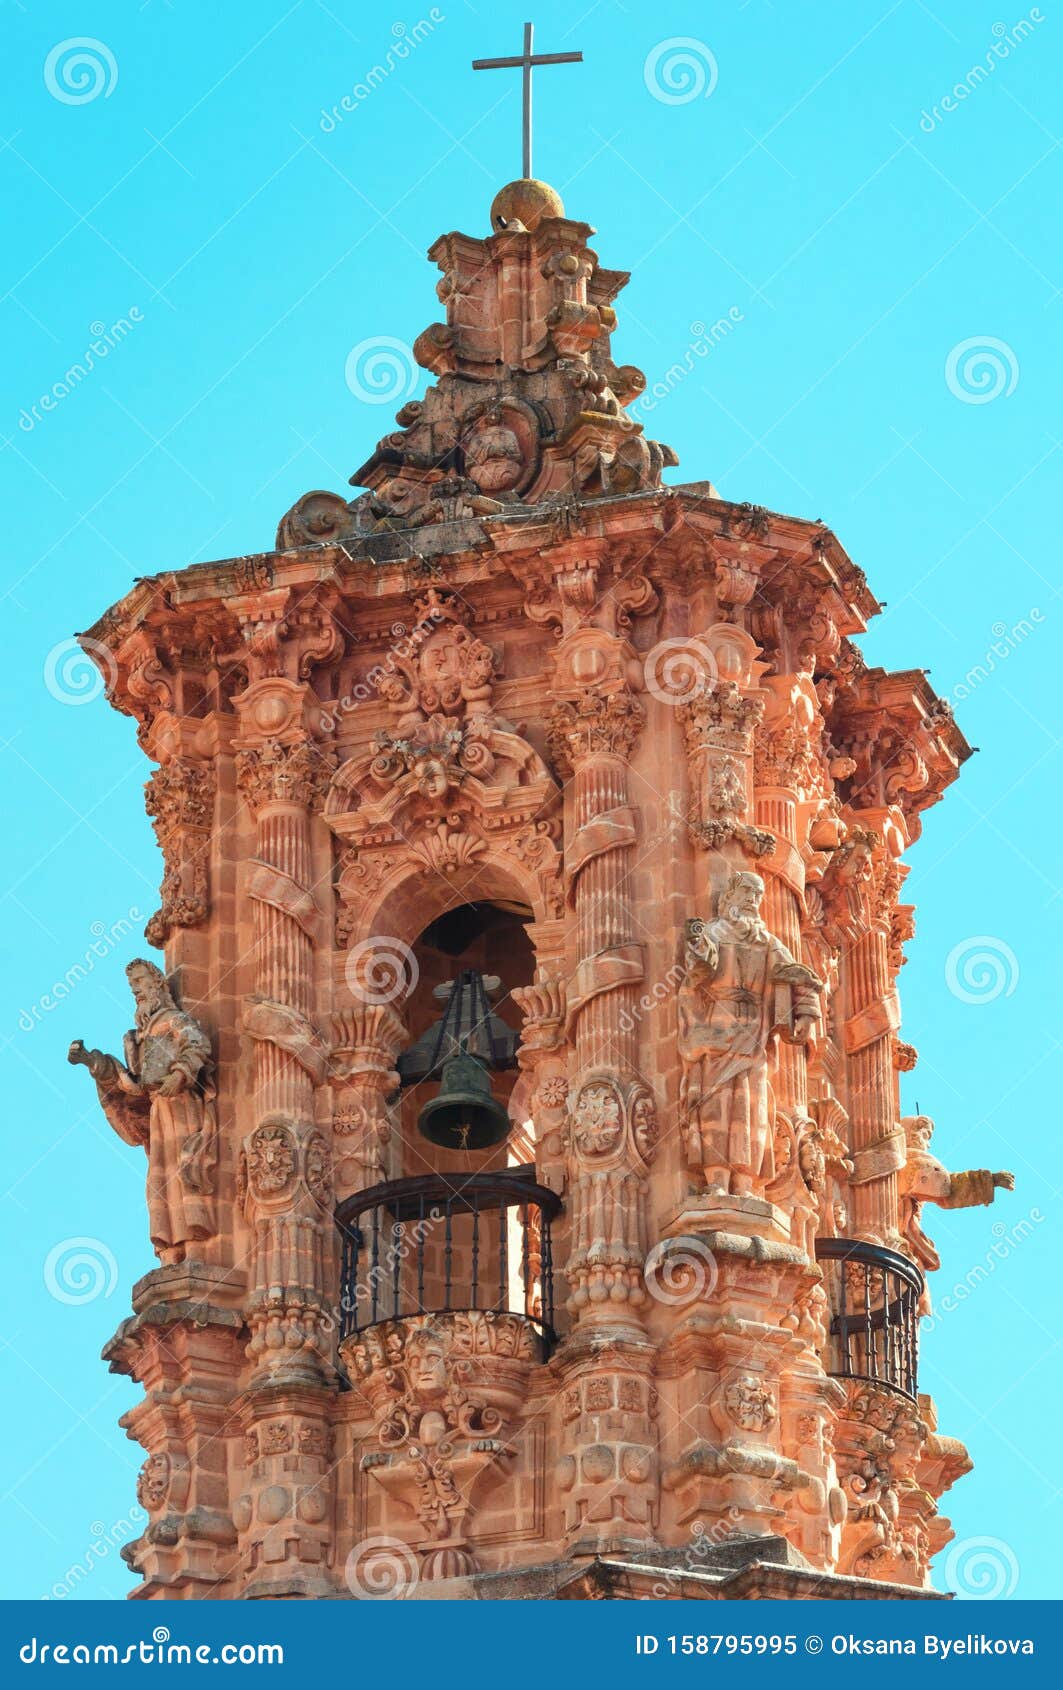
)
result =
(521, 713)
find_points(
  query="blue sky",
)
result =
(889, 256)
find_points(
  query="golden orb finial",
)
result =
(524, 204)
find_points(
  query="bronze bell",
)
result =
(463, 1115)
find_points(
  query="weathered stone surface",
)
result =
(524, 709)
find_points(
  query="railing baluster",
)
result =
(475, 1245)
(448, 1257)
(525, 1254)
(420, 1256)
(548, 1275)
(397, 1235)
(503, 1254)
(374, 1266)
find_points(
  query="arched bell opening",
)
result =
(460, 1063)
(454, 1227)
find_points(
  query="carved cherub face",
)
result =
(493, 458)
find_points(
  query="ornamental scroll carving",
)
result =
(179, 798)
(443, 1391)
(612, 1138)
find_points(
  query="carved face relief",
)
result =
(426, 1363)
(493, 458)
(153, 1483)
(317, 1169)
(270, 1159)
(644, 1127)
(749, 1405)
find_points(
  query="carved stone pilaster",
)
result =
(179, 798)
(366, 1040)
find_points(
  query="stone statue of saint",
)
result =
(162, 1096)
(740, 991)
(923, 1179)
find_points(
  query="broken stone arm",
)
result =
(123, 1099)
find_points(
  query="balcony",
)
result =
(448, 1243)
(874, 1297)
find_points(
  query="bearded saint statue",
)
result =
(741, 990)
(162, 1096)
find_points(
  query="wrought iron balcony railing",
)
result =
(441, 1243)
(874, 1298)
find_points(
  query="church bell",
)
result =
(464, 1115)
(462, 1048)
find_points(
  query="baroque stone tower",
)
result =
(530, 788)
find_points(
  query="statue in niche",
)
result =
(162, 1096)
(741, 990)
(923, 1179)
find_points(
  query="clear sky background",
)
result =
(865, 250)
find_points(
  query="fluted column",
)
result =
(608, 1474)
(284, 1515)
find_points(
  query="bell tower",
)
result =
(519, 1081)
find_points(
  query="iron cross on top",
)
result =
(526, 62)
